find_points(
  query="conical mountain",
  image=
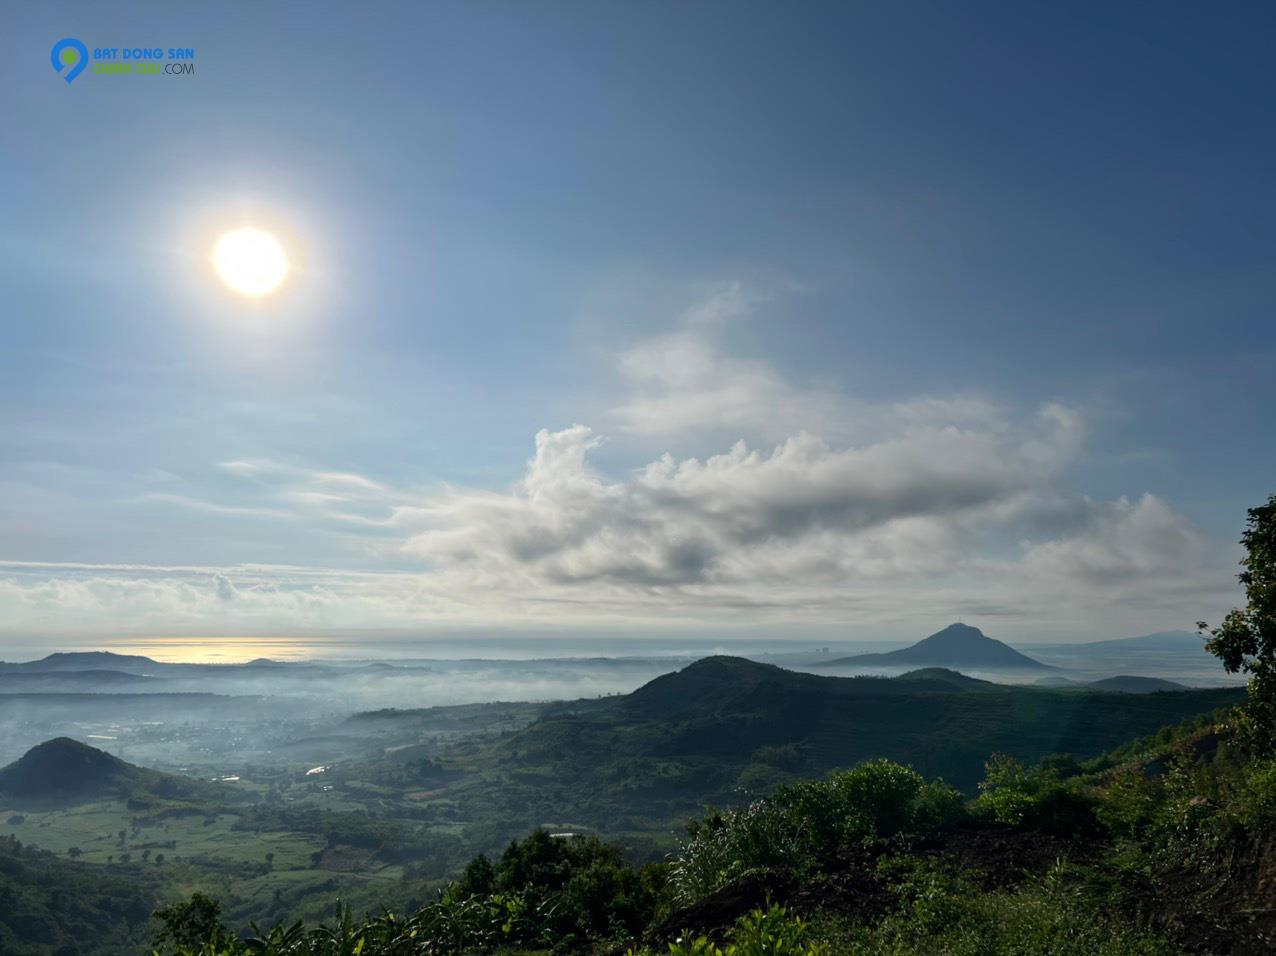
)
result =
(957, 646)
(63, 765)
(65, 770)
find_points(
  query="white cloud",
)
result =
(805, 525)
(1120, 542)
(685, 383)
(845, 512)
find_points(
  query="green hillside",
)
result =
(715, 725)
(65, 770)
(1111, 857)
(52, 905)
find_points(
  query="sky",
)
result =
(798, 321)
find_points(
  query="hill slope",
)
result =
(699, 734)
(65, 770)
(956, 646)
(54, 905)
(86, 661)
(1130, 684)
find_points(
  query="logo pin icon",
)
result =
(69, 54)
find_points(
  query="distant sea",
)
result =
(212, 650)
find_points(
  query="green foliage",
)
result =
(725, 846)
(1039, 798)
(479, 877)
(785, 757)
(1260, 790)
(1246, 640)
(1174, 811)
(1067, 912)
(48, 903)
(450, 926)
(591, 890)
(770, 932)
(191, 924)
(802, 824)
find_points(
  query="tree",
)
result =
(1246, 640)
(74, 853)
(192, 924)
(479, 878)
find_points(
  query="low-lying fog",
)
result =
(212, 716)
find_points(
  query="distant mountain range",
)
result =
(1175, 642)
(107, 666)
(956, 646)
(85, 661)
(1121, 684)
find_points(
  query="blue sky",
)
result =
(986, 294)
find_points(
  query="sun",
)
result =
(250, 261)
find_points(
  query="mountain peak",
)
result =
(958, 631)
(710, 680)
(62, 765)
(957, 634)
(957, 627)
(66, 770)
(956, 646)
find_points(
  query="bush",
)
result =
(773, 932)
(1259, 805)
(725, 846)
(1068, 912)
(592, 890)
(1039, 798)
(804, 824)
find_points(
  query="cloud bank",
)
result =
(825, 511)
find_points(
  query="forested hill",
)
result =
(728, 716)
(63, 770)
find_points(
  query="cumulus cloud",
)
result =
(1119, 542)
(806, 526)
(827, 509)
(801, 508)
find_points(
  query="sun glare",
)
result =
(250, 261)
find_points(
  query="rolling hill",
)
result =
(697, 735)
(956, 646)
(1120, 684)
(63, 770)
(1131, 684)
(86, 661)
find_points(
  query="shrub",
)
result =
(725, 846)
(1066, 913)
(1038, 798)
(1259, 805)
(805, 823)
(771, 932)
